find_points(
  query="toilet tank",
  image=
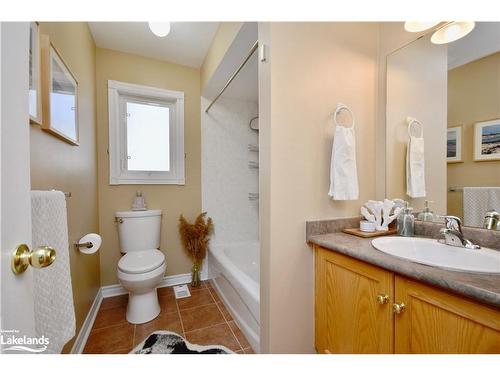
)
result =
(138, 230)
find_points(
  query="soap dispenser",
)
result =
(426, 214)
(406, 222)
(139, 204)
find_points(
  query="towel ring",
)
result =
(342, 107)
(412, 121)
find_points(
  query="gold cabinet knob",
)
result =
(382, 299)
(399, 308)
(22, 257)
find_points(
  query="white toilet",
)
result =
(142, 267)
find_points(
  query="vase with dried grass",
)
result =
(195, 238)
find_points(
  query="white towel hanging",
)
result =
(53, 295)
(415, 161)
(477, 201)
(343, 169)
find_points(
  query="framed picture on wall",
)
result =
(59, 94)
(35, 96)
(454, 144)
(487, 140)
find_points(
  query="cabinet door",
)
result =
(349, 317)
(435, 321)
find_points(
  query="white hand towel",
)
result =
(343, 170)
(53, 294)
(478, 201)
(415, 167)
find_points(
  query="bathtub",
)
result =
(234, 272)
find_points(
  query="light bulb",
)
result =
(452, 31)
(160, 29)
(416, 27)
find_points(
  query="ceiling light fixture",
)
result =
(452, 31)
(160, 29)
(416, 27)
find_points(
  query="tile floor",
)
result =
(201, 319)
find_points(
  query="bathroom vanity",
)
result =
(367, 301)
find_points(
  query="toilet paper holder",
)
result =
(86, 245)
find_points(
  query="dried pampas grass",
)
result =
(195, 237)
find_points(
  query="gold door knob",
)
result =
(22, 257)
(399, 308)
(382, 299)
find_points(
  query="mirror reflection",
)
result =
(63, 100)
(443, 127)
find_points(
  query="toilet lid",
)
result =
(141, 261)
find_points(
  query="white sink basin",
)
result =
(430, 252)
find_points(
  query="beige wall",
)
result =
(58, 165)
(172, 199)
(473, 96)
(223, 38)
(311, 67)
(416, 87)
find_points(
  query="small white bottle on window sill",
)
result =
(139, 203)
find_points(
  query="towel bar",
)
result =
(67, 194)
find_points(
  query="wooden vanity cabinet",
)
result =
(349, 318)
(354, 313)
(435, 321)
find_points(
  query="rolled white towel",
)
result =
(343, 169)
(415, 167)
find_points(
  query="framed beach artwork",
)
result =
(454, 145)
(487, 140)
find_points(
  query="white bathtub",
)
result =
(234, 271)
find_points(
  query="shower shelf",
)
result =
(253, 165)
(253, 196)
(253, 148)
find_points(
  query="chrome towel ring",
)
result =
(412, 122)
(342, 107)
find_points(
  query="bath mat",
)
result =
(166, 342)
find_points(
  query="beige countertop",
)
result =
(480, 287)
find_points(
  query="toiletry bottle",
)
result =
(406, 222)
(426, 214)
(399, 203)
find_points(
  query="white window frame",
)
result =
(118, 173)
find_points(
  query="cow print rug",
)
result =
(166, 342)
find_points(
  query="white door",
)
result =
(15, 205)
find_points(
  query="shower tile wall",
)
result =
(227, 179)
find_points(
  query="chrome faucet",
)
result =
(453, 235)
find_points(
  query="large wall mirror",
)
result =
(443, 125)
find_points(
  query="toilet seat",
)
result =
(141, 261)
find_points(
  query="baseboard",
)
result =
(183, 278)
(86, 327)
(116, 290)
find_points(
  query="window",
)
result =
(146, 135)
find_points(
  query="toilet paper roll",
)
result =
(96, 241)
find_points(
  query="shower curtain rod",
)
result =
(254, 47)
